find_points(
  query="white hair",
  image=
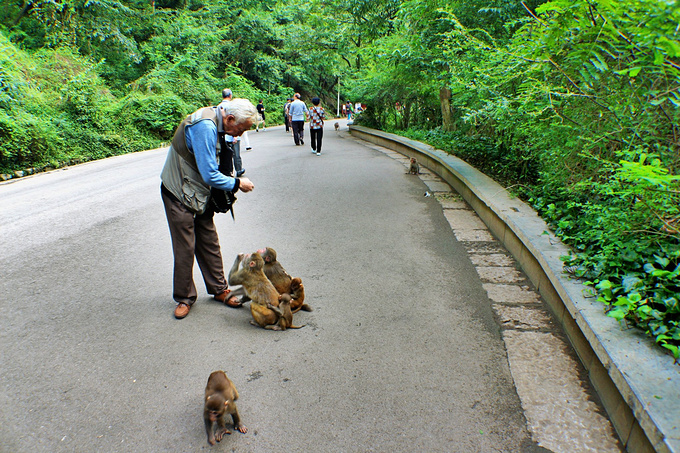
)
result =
(242, 109)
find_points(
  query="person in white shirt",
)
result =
(297, 112)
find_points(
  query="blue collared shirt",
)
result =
(297, 110)
(201, 140)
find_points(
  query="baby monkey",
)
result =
(414, 168)
(284, 313)
(220, 399)
(282, 281)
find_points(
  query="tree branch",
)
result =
(533, 15)
(23, 12)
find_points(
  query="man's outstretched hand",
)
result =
(245, 185)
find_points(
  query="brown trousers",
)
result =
(192, 236)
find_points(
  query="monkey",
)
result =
(220, 398)
(275, 271)
(414, 168)
(282, 281)
(257, 287)
(337, 126)
(297, 294)
(284, 313)
(253, 279)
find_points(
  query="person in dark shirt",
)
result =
(260, 119)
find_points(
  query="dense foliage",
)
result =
(86, 79)
(573, 104)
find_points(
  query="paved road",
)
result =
(402, 352)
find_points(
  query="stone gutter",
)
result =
(638, 383)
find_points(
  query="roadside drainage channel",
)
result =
(638, 384)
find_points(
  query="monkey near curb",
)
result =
(414, 168)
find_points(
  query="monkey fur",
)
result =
(337, 126)
(257, 287)
(414, 168)
(282, 281)
(220, 399)
(284, 313)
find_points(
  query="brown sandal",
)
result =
(232, 301)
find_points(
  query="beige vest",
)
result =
(180, 173)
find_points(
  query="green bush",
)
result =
(55, 110)
(27, 141)
(577, 111)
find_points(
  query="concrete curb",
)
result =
(638, 384)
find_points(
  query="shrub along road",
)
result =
(402, 353)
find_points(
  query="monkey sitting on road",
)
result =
(297, 294)
(282, 281)
(220, 399)
(414, 168)
(257, 287)
(337, 126)
(284, 313)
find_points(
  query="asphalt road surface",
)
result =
(401, 353)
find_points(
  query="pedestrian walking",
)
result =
(348, 110)
(317, 115)
(286, 120)
(234, 142)
(261, 119)
(297, 111)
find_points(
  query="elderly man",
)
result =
(297, 112)
(190, 171)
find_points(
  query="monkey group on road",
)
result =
(274, 296)
(282, 281)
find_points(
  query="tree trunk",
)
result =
(444, 99)
(406, 116)
(23, 12)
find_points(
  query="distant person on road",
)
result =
(246, 142)
(190, 171)
(286, 120)
(260, 112)
(297, 111)
(235, 142)
(348, 110)
(317, 115)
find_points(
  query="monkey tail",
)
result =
(297, 327)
